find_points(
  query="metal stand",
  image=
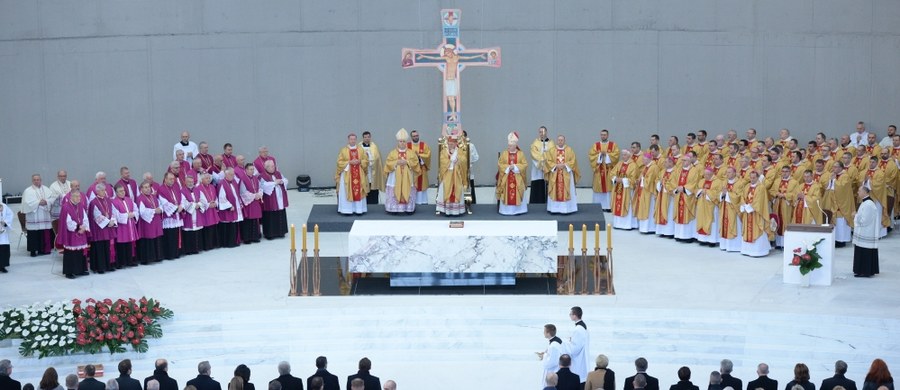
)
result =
(584, 272)
(317, 272)
(304, 273)
(293, 274)
(609, 272)
(596, 263)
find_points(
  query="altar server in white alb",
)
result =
(351, 179)
(577, 345)
(6, 224)
(36, 203)
(511, 178)
(550, 356)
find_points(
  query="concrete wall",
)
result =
(94, 84)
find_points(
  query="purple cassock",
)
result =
(169, 200)
(192, 217)
(275, 200)
(131, 188)
(126, 228)
(207, 163)
(101, 220)
(241, 174)
(150, 223)
(75, 244)
(209, 215)
(103, 234)
(229, 161)
(274, 196)
(71, 217)
(249, 189)
(260, 163)
(110, 192)
(229, 205)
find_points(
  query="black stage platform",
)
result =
(328, 219)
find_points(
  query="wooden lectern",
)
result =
(801, 236)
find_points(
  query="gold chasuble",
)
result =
(403, 174)
(644, 191)
(558, 181)
(355, 179)
(706, 207)
(424, 152)
(602, 178)
(623, 171)
(729, 193)
(454, 180)
(685, 204)
(839, 198)
(511, 185)
(378, 179)
(781, 203)
(806, 210)
(755, 222)
(661, 214)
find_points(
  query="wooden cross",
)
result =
(450, 58)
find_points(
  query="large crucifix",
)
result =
(451, 57)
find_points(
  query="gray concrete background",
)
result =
(94, 84)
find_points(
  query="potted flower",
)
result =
(807, 260)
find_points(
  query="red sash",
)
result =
(660, 213)
(724, 228)
(748, 227)
(355, 183)
(682, 179)
(706, 186)
(620, 193)
(421, 177)
(603, 170)
(512, 189)
(798, 211)
(640, 190)
(560, 188)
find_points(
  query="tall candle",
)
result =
(609, 236)
(596, 236)
(583, 237)
(293, 243)
(303, 232)
(316, 236)
(571, 236)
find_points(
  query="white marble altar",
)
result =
(796, 238)
(433, 246)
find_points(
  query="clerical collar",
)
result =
(865, 199)
(184, 143)
(581, 324)
(351, 147)
(560, 148)
(365, 145)
(555, 339)
(545, 140)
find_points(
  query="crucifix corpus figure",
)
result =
(450, 58)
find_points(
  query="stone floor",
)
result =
(676, 304)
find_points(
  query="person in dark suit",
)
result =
(727, 380)
(551, 381)
(7, 383)
(715, 381)
(203, 381)
(566, 379)
(125, 381)
(640, 382)
(243, 372)
(640, 365)
(161, 375)
(763, 382)
(316, 383)
(840, 369)
(372, 382)
(329, 380)
(801, 377)
(287, 381)
(684, 380)
(89, 383)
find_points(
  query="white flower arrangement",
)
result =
(42, 327)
